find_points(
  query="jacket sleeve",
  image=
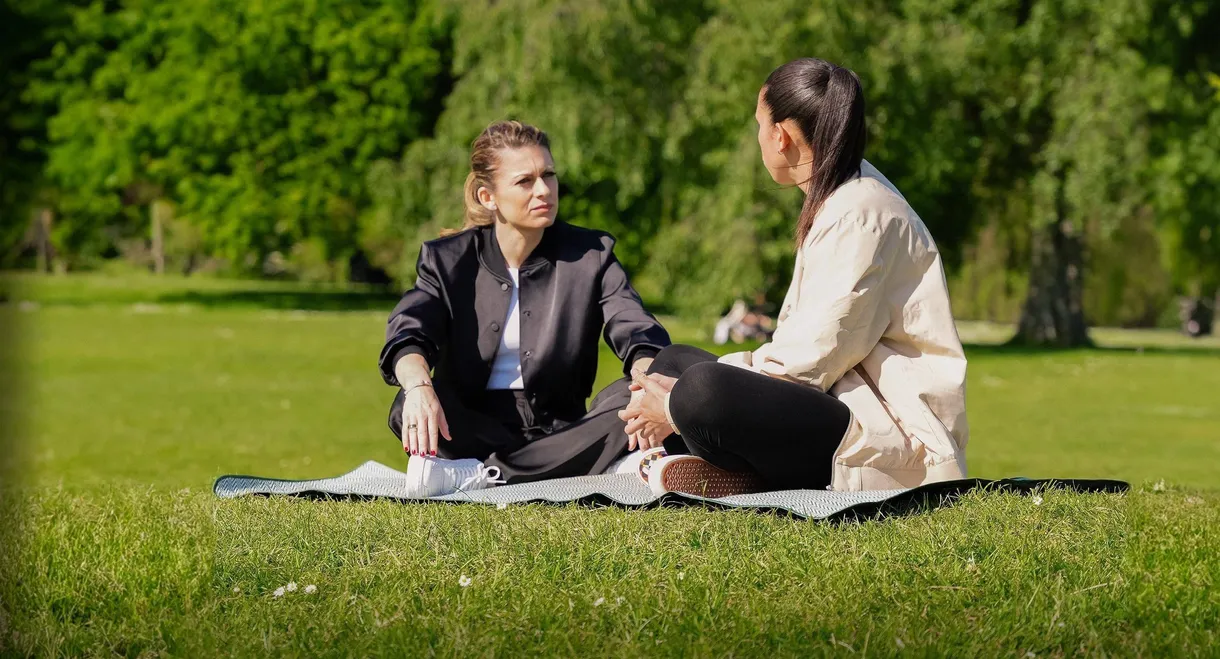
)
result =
(420, 322)
(840, 313)
(630, 330)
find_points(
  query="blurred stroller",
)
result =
(743, 323)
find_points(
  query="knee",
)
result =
(673, 360)
(616, 395)
(698, 398)
(666, 361)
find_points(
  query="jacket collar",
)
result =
(492, 259)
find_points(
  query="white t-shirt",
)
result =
(506, 369)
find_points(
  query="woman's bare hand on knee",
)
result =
(423, 421)
(647, 425)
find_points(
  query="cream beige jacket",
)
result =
(867, 319)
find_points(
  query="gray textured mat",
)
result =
(375, 480)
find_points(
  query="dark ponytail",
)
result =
(827, 104)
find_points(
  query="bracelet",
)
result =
(413, 387)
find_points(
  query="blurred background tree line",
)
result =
(1065, 153)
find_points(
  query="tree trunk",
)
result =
(161, 213)
(46, 251)
(1053, 314)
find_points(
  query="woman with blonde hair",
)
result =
(494, 350)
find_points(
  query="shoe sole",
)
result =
(691, 475)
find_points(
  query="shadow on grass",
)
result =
(304, 300)
(1013, 350)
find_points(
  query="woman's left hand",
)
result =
(647, 425)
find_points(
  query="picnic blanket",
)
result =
(373, 480)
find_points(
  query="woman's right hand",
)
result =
(423, 421)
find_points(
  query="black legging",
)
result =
(744, 421)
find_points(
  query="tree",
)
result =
(27, 33)
(1067, 108)
(256, 120)
(733, 232)
(1187, 181)
(599, 77)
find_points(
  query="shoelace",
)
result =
(489, 475)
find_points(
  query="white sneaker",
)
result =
(434, 477)
(631, 462)
(691, 475)
(647, 460)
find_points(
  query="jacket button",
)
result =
(504, 287)
(528, 354)
(495, 327)
(527, 314)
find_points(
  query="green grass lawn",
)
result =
(140, 394)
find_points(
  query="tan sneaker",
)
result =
(691, 475)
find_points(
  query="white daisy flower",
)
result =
(291, 587)
(1037, 500)
(311, 589)
(279, 592)
(465, 581)
(236, 590)
(501, 506)
(1159, 486)
(599, 601)
(681, 576)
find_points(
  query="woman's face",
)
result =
(526, 190)
(774, 143)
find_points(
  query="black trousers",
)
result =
(744, 421)
(503, 432)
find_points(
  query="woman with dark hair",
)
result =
(862, 385)
(507, 313)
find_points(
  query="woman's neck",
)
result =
(516, 244)
(802, 169)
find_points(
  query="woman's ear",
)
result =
(487, 199)
(782, 139)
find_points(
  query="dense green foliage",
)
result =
(308, 138)
(123, 550)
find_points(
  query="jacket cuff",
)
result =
(643, 352)
(409, 349)
(637, 353)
